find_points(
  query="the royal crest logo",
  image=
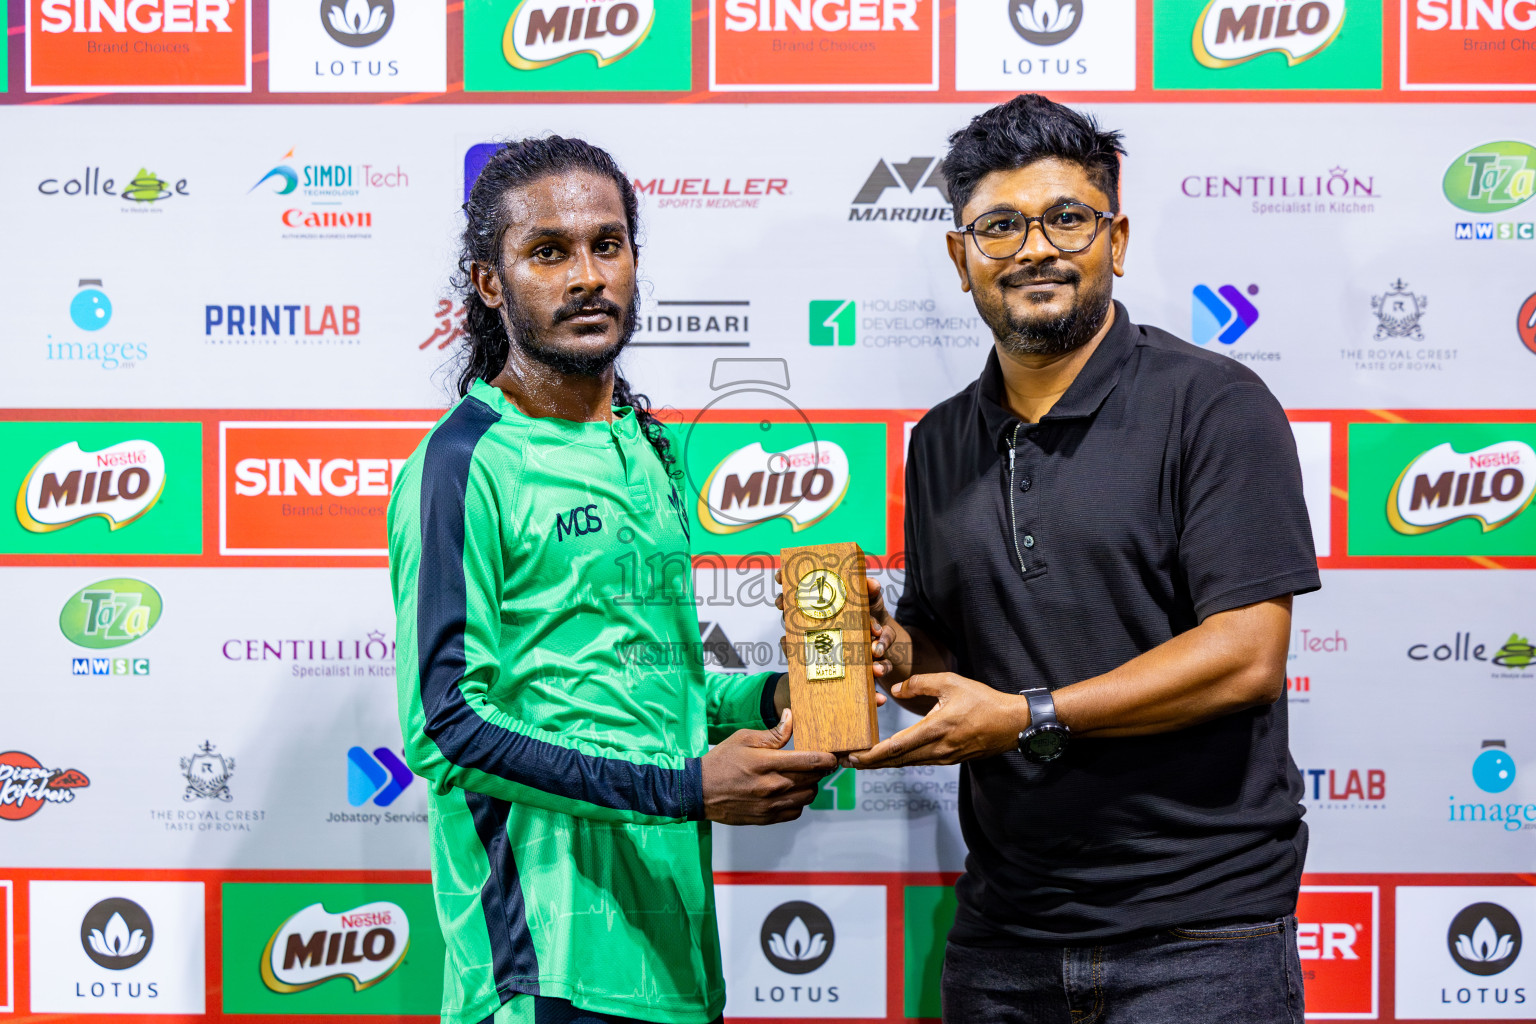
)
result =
(1492, 485)
(25, 785)
(68, 485)
(364, 944)
(803, 484)
(207, 773)
(1231, 32)
(1398, 312)
(544, 32)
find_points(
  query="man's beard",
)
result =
(532, 339)
(1049, 336)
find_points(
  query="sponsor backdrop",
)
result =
(230, 226)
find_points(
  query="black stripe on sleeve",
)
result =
(514, 962)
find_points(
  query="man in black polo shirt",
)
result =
(1103, 536)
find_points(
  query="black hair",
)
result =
(1027, 128)
(515, 165)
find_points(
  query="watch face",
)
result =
(1047, 743)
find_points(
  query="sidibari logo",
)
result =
(110, 613)
(1492, 485)
(797, 937)
(751, 486)
(25, 785)
(544, 32)
(1231, 32)
(357, 22)
(1484, 939)
(1492, 177)
(68, 485)
(364, 944)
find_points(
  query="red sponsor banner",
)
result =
(1336, 933)
(309, 488)
(7, 955)
(1469, 44)
(139, 45)
(823, 45)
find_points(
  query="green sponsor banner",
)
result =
(1492, 177)
(1256, 52)
(539, 46)
(5, 51)
(1442, 488)
(929, 915)
(119, 488)
(331, 949)
(757, 487)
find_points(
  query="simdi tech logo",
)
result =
(830, 45)
(1474, 45)
(1243, 44)
(578, 45)
(1442, 488)
(328, 200)
(139, 45)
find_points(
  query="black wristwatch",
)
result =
(1046, 739)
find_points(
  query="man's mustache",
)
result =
(1036, 274)
(581, 306)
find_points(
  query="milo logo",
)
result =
(110, 613)
(751, 485)
(1232, 32)
(364, 945)
(542, 32)
(1492, 485)
(68, 485)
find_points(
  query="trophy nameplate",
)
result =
(831, 676)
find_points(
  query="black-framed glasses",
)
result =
(1070, 227)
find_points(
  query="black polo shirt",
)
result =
(1161, 488)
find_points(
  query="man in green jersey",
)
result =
(551, 688)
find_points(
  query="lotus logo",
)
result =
(1230, 32)
(1045, 22)
(751, 485)
(116, 934)
(543, 32)
(119, 484)
(797, 937)
(357, 22)
(1484, 939)
(1492, 485)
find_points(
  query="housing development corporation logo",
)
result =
(1231, 32)
(797, 937)
(116, 934)
(868, 45)
(577, 45)
(914, 180)
(1492, 486)
(25, 785)
(834, 322)
(68, 485)
(1484, 939)
(363, 945)
(138, 46)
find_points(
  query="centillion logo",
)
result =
(544, 32)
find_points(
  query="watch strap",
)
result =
(1042, 706)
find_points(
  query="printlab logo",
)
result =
(834, 322)
(1223, 315)
(797, 937)
(1484, 939)
(1045, 22)
(68, 485)
(25, 785)
(380, 776)
(116, 934)
(357, 22)
(207, 773)
(912, 178)
(1491, 486)
(1525, 323)
(1398, 312)
(364, 945)
(1232, 32)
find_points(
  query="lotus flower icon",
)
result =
(797, 942)
(1485, 944)
(1045, 22)
(357, 22)
(117, 941)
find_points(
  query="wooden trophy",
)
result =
(831, 676)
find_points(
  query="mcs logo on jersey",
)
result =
(309, 488)
(1469, 44)
(768, 45)
(139, 45)
(1336, 935)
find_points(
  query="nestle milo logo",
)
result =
(751, 485)
(1492, 177)
(1492, 485)
(69, 484)
(110, 613)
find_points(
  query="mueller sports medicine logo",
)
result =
(69, 485)
(1230, 32)
(25, 785)
(544, 32)
(915, 180)
(364, 945)
(762, 45)
(138, 45)
(1492, 485)
(750, 486)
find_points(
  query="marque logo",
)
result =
(578, 522)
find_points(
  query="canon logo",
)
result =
(822, 15)
(1434, 15)
(136, 16)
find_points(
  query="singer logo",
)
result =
(767, 45)
(138, 45)
(319, 488)
(68, 485)
(1232, 32)
(1469, 44)
(1336, 937)
(750, 486)
(364, 944)
(542, 32)
(1492, 485)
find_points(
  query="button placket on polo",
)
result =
(1026, 500)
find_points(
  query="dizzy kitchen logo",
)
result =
(544, 32)
(25, 785)
(364, 945)
(67, 485)
(1492, 485)
(1230, 32)
(751, 485)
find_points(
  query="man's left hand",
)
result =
(969, 720)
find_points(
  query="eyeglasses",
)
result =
(1070, 227)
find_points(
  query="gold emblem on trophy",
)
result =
(831, 678)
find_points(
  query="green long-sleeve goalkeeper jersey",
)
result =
(552, 693)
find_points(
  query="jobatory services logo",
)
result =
(116, 934)
(1468, 45)
(90, 311)
(25, 785)
(1220, 316)
(279, 323)
(1238, 44)
(578, 45)
(1045, 44)
(139, 46)
(379, 777)
(207, 773)
(356, 46)
(832, 45)
(309, 488)
(912, 185)
(1336, 936)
